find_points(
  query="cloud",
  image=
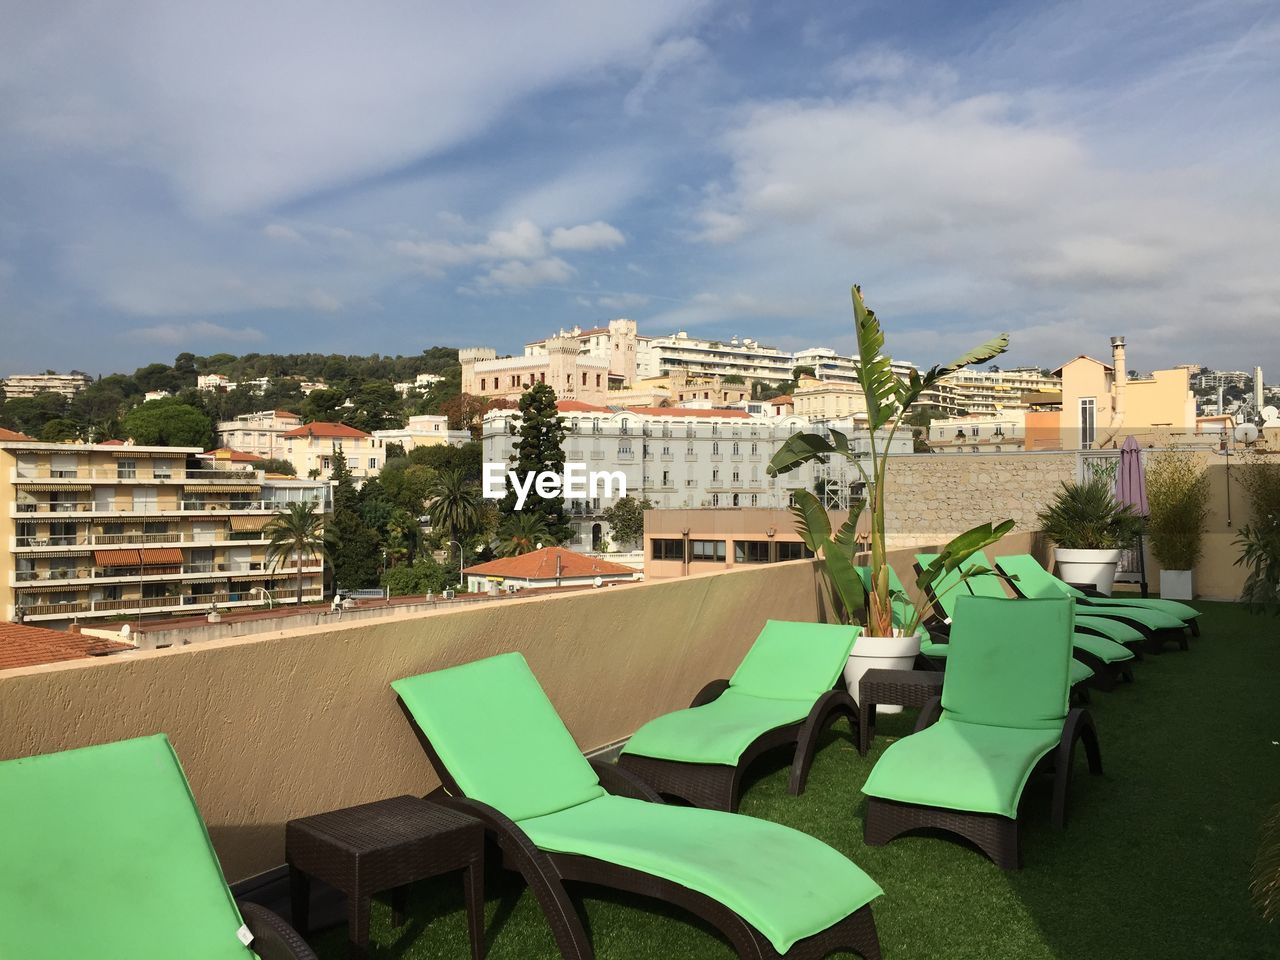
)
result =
(670, 57)
(588, 236)
(280, 231)
(176, 334)
(622, 301)
(516, 274)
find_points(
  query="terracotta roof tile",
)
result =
(541, 565)
(12, 435)
(687, 412)
(785, 398)
(321, 429)
(26, 646)
(235, 456)
(579, 406)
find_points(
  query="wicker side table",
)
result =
(381, 846)
(907, 688)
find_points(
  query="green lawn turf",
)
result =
(1154, 862)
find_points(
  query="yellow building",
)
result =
(109, 530)
(818, 400)
(311, 448)
(1101, 405)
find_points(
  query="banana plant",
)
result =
(888, 397)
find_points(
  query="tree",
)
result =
(275, 465)
(626, 519)
(453, 505)
(374, 407)
(322, 405)
(59, 429)
(523, 533)
(802, 371)
(423, 576)
(469, 458)
(735, 379)
(168, 423)
(541, 449)
(296, 534)
(356, 554)
(465, 409)
(395, 451)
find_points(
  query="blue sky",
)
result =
(384, 177)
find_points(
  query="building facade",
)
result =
(427, 430)
(259, 433)
(979, 433)
(30, 384)
(573, 375)
(312, 447)
(678, 543)
(103, 531)
(742, 357)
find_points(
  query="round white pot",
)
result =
(1177, 584)
(879, 653)
(1096, 568)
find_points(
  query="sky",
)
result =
(383, 177)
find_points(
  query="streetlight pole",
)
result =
(460, 582)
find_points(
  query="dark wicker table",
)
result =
(384, 846)
(907, 688)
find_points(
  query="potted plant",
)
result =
(883, 642)
(1178, 498)
(1259, 540)
(1090, 530)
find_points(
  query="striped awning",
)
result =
(49, 586)
(117, 558)
(242, 524)
(45, 552)
(129, 454)
(54, 487)
(223, 488)
(161, 555)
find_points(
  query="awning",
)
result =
(54, 487)
(130, 454)
(49, 586)
(117, 558)
(223, 488)
(161, 555)
(45, 552)
(242, 524)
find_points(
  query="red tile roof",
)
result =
(781, 400)
(26, 646)
(686, 412)
(235, 456)
(12, 435)
(541, 565)
(319, 429)
(286, 415)
(112, 443)
(578, 406)
(593, 332)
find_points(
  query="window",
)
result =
(751, 551)
(793, 551)
(666, 449)
(325, 463)
(666, 478)
(715, 475)
(755, 500)
(373, 463)
(668, 549)
(162, 469)
(688, 452)
(973, 431)
(715, 499)
(755, 447)
(736, 451)
(715, 448)
(735, 500)
(624, 427)
(1088, 410)
(707, 550)
(126, 469)
(715, 430)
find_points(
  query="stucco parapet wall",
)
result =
(539, 362)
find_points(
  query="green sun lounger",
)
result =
(787, 690)
(103, 855)
(1033, 580)
(504, 756)
(1002, 715)
(945, 593)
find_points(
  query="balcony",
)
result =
(160, 573)
(136, 475)
(175, 604)
(1176, 792)
(88, 510)
(127, 539)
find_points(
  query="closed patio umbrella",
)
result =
(1131, 485)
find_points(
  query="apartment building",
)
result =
(618, 342)
(110, 531)
(30, 384)
(999, 391)
(820, 400)
(572, 374)
(312, 446)
(427, 430)
(259, 433)
(830, 366)
(684, 458)
(979, 433)
(742, 357)
(678, 543)
(423, 381)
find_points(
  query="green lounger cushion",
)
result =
(931, 648)
(1078, 672)
(540, 771)
(784, 883)
(716, 732)
(794, 661)
(1004, 702)
(1035, 581)
(1112, 630)
(103, 854)
(1173, 608)
(1108, 651)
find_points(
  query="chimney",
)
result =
(1121, 379)
(1259, 401)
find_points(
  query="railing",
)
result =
(255, 567)
(44, 508)
(176, 603)
(117, 539)
(246, 475)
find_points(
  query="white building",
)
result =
(736, 356)
(999, 391)
(423, 381)
(979, 433)
(312, 448)
(30, 384)
(681, 458)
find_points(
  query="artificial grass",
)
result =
(1154, 861)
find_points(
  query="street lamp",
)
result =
(460, 583)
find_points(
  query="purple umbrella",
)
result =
(1131, 485)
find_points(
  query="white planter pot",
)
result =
(879, 653)
(1177, 584)
(1096, 568)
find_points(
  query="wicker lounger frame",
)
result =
(273, 939)
(718, 786)
(546, 874)
(999, 837)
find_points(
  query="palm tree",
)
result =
(402, 535)
(522, 533)
(297, 534)
(453, 504)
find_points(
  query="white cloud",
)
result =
(514, 274)
(588, 236)
(622, 301)
(176, 334)
(280, 231)
(670, 57)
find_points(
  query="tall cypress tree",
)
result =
(356, 552)
(541, 447)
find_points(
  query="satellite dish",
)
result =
(1246, 433)
(1270, 416)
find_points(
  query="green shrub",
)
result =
(1178, 497)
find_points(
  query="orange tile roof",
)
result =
(785, 398)
(112, 443)
(321, 429)
(593, 332)
(579, 406)
(541, 565)
(285, 414)
(26, 646)
(235, 456)
(686, 412)
(12, 435)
